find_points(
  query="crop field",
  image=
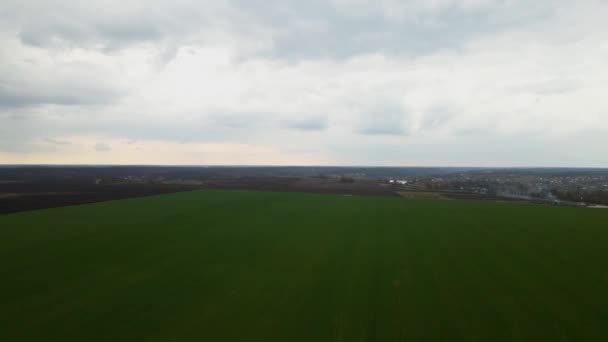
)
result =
(260, 266)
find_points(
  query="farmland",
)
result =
(219, 265)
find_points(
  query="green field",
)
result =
(255, 266)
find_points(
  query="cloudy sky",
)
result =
(333, 82)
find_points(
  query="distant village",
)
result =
(579, 187)
(573, 189)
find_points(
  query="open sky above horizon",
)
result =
(334, 82)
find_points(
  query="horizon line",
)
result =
(320, 166)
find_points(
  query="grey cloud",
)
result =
(130, 30)
(70, 23)
(307, 123)
(111, 25)
(82, 33)
(237, 120)
(318, 29)
(102, 147)
(382, 130)
(437, 117)
(25, 138)
(57, 142)
(70, 69)
(16, 146)
(297, 29)
(14, 131)
(383, 122)
(33, 97)
(260, 120)
(58, 84)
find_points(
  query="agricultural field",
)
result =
(218, 265)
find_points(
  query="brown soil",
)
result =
(23, 196)
(30, 196)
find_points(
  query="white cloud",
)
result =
(215, 75)
(31, 76)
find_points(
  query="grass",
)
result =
(256, 266)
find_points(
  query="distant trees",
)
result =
(596, 197)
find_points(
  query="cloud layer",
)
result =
(342, 82)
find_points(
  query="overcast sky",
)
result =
(334, 82)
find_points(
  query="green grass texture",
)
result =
(262, 266)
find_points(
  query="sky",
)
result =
(337, 82)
